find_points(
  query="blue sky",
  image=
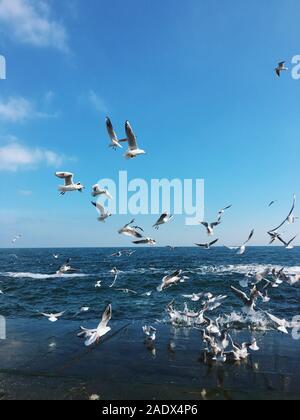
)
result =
(195, 79)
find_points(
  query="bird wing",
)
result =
(99, 207)
(106, 317)
(249, 238)
(213, 242)
(240, 294)
(110, 130)
(67, 176)
(131, 137)
(290, 213)
(143, 241)
(292, 240)
(274, 318)
(161, 219)
(59, 314)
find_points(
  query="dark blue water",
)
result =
(30, 284)
(40, 360)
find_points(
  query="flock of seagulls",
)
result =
(215, 332)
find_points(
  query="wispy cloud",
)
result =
(15, 156)
(19, 109)
(97, 102)
(30, 22)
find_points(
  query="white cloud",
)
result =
(97, 102)
(19, 109)
(15, 156)
(30, 22)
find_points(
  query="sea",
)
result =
(40, 360)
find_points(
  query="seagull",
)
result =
(210, 226)
(56, 256)
(93, 336)
(150, 332)
(164, 218)
(128, 230)
(208, 245)
(293, 279)
(254, 345)
(116, 272)
(242, 249)
(133, 150)
(240, 352)
(103, 214)
(16, 239)
(195, 297)
(145, 241)
(118, 254)
(249, 302)
(115, 142)
(274, 237)
(288, 245)
(69, 183)
(280, 68)
(281, 324)
(288, 218)
(53, 317)
(98, 284)
(66, 268)
(96, 190)
(170, 280)
(84, 309)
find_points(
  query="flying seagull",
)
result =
(280, 68)
(288, 245)
(53, 317)
(208, 245)
(69, 183)
(115, 142)
(242, 248)
(96, 190)
(133, 150)
(210, 226)
(170, 280)
(249, 302)
(164, 218)
(93, 336)
(128, 230)
(289, 217)
(103, 214)
(16, 239)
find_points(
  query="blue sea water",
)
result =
(41, 352)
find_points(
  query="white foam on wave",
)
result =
(38, 276)
(243, 269)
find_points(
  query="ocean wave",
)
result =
(242, 269)
(38, 276)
